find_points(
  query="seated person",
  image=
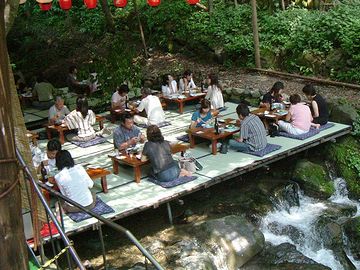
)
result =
(318, 106)
(169, 85)
(214, 92)
(43, 93)
(82, 119)
(158, 151)
(127, 134)
(298, 120)
(273, 96)
(153, 109)
(93, 81)
(120, 97)
(252, 131)
(73, 182)
(48, 160)
(203, 115)
(186, 82)
(58, 112)
(73, 83)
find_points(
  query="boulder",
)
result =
(341, 154)
(282, 257)
(352, 232)
(342, 113)
(313, 179)
(329, 231)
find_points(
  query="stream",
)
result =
(295, 225)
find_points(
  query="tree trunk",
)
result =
(282, 2)
(12, 239)
(210, 6)
(108, 17)
(255, 34)
(141, 28)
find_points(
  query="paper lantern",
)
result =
(90, 3)
(65, 4)
(192, 2)
(120, 3)
(153, 3)
(45, 6)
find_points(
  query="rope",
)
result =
(6, 192)
(55, 257)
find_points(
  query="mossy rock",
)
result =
(352, 231)
(342, 113)
(341, 153)
(313, 179)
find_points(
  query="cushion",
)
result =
(268, 149)
(163, 124)
(326, 126)
(312, 132)
(100, 209)
(173, 183)
(95, 141)
(184, 138)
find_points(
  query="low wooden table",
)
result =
(266, 118)
(182, 101)
(209, 134)
(62, 128)
(117, 112)
(132, 161)
(99, 173)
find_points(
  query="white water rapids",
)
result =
(301, 219)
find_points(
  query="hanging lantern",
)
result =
(153, 3)
(192, 2)
(90, 3)
(65, 4)
(45, 6)
(120, 3)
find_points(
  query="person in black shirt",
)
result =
(318, 106)
(158, 151)
(273, 96)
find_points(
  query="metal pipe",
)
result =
(168, 206)
(102, 244)
(53, 218)
(322, 81)
(107, 222)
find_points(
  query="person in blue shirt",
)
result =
(202, 116)
(127, 134)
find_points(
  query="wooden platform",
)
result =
(127, 197)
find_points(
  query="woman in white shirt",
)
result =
(214, 92)
(169, 85)
(119, 98)
(186, 82)
(82, 119)
(73, 182)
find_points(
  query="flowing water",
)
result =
(295, 225)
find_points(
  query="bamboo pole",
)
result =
(12, 239)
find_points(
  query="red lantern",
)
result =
(153, 3)
(45, 6)
(192, 2)
(65, 4)
(120, 3)
(90, 3)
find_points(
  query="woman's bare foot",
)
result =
(184, 172)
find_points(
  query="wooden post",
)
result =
(255, 34)
(12, 239)
(282, 2)
(141, 28)
(210, 6)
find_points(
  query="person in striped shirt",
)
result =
(252, 131)
(82, 119)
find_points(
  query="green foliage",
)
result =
(356, 127)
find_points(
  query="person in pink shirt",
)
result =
(299, 119)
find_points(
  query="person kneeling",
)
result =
(158, 151)
(73, 182)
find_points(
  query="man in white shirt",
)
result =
(153, 109)
(119, 98)
(58, 112)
